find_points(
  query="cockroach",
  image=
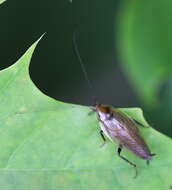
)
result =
(123, 130)
(118, 127)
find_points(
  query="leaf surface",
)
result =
(48, 144)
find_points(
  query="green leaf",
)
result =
(1, 1)
(47, 144)
(145, 36)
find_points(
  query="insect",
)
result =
(118, 127)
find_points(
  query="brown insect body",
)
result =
(119, 127)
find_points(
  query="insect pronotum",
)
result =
(118, 127)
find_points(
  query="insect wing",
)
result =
(124, 130)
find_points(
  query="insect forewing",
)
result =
(123, 130)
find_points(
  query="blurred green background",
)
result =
(125, 45)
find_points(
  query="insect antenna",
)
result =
(94, 97)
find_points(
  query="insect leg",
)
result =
(93, 109)
(119, 154)
(147, 161)
(137, 122)
(103, 137)
(91, 112)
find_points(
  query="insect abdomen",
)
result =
(141, 150)
(128, 137)
(133, 141)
